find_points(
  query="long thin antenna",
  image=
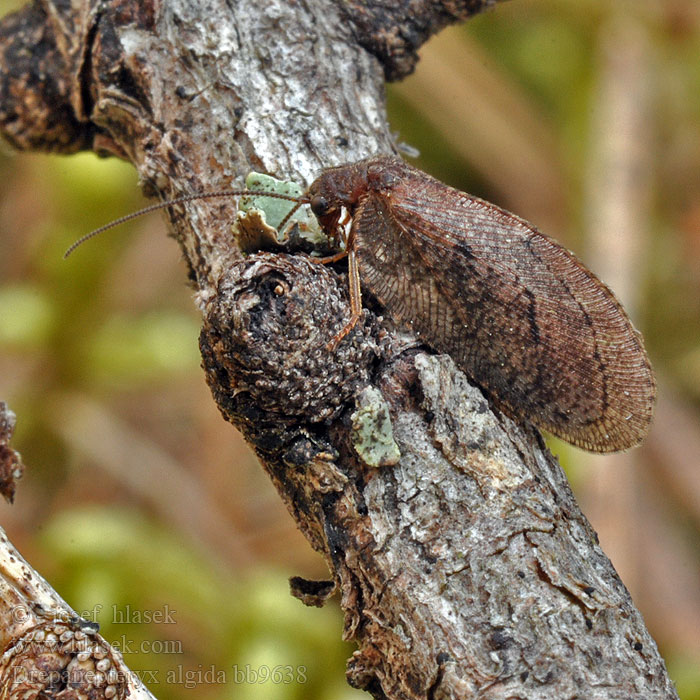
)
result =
(290, 214)
(182, 200)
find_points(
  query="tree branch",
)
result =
(466, 569)
(48, 650)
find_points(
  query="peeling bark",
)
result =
(465, 570)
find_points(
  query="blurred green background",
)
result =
(148, 513)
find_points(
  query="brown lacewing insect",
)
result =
(545, 338)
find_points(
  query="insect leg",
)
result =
(355, 299)
(340, 235)
(353, 279)
(330, 258)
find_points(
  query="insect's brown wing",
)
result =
(519, 313)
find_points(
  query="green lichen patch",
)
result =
(372, 434)
(253, 233)
(275, 209)
(259, 218)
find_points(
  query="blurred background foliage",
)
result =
(149, 514)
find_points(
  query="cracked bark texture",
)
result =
(466, 570)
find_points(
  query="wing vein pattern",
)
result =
(539, 332)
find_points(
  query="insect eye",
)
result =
(320, 206)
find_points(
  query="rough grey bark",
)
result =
(465, 569)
